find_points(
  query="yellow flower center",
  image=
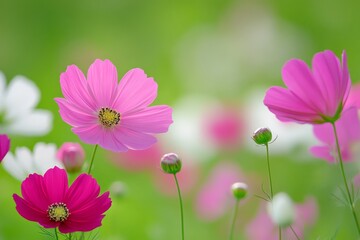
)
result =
(58, 212)
(108, 118)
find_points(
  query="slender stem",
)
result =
(344, 178)
(233, 220)
(279, 233)
(82, 236)
(92, 158)
(292, 229)
(269, 170)
(181, 207)
(56, 234)
(70, 236)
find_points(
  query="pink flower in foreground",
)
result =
(49, 201)
(312, 96)
(348, 129)
(4, 145)
(262, 228)
(114, 115)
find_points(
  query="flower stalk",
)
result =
(92, 158)
(181, 207)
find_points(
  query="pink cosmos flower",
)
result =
(312, 96)
(114, 115)
(49, 201)
(262, 228)
(348, 129)
(4, 145)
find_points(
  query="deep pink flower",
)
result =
(4, 145)
(114, 115)
(49, 201)
(312, 96)
(262, 228)
(348, 130)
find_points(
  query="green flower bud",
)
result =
(171, 163)
(239, 190)
(262, 136)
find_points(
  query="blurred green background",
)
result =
(220, 49)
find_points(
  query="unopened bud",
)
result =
(72, 156)
(262, 136)
(239, 190)
(4, 145)
(281, 210)
(171, 163)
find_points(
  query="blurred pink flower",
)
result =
(4, 145)
(348, 129)
(262, 228)
(215, 196)
(72, 155)
(312, 96)
(147, 159)
(224, 127)
(49, 201)
(115, 116)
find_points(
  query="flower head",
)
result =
(262, 136)
(114, 115)
(4, 145)
(281, 210)
(239, 190)
(17, 113)
(49, 201)
(315, 96)
(72, 155)
(24, 162)
(171, 163)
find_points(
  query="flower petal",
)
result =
(14, 167)
(288, 107)
(135, 91)
(21, 97)
(149, 120)
(36, 123)
(74, 88)
(56, 184)
(134, 140)
(33, 190)
(102, 80)
(45, 157)
(323, 152)
(4, 145)
(89, 134)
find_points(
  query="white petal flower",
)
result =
(281, 210)
(17, 108)
(23, 162)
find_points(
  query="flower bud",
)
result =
(72, 156)
(281, 210)
(239, 190)
(4, 145)
(171, 163)
(262, 136)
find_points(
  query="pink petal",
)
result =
(102, 80)
(149, 120)
(133, 139)
(33, 190)
(71, 226)
(74, 88)
(89, 134)
(4, 145)
(288, 107)
(56, 184)
(322, 152)
(135, 91)
(74, 116)
(84, 189)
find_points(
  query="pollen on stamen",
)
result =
(58, 212)
(108, 118)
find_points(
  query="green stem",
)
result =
(56, 234)
(70, 236)
(233, 220)
(92, 158)
(297, 237)
(269, 170)
(181, 207)
(344, 179)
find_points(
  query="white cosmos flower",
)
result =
(281, 210)
(24, 162)
(17, 113)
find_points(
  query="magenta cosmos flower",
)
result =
(4, 145)
(49, 201)
(312, 96)
(114, 115)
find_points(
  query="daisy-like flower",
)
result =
(49, 201)
(4, 145)
(114, 115)
(24, 162)
(312, 96)
(17, 113)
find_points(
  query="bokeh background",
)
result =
(213, 61)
